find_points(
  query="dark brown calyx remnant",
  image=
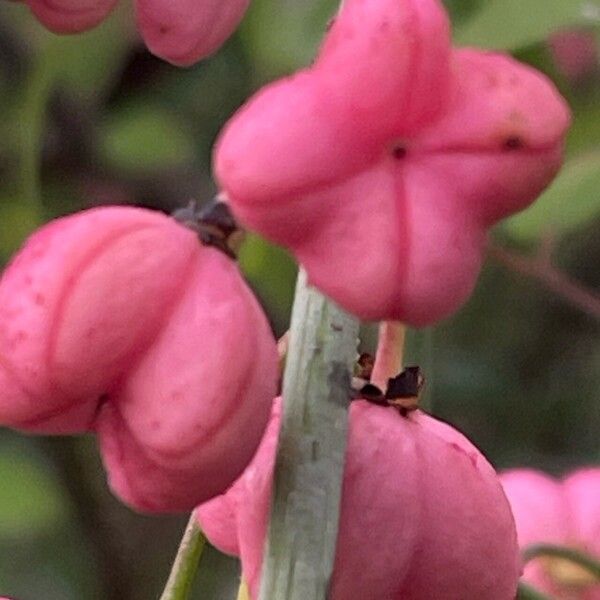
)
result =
(403, 392)
(364, 366)
(361, 380)
(214, 224)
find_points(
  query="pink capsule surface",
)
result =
(184, 31)
(71, 16)
(118, 321)
(382, 166)
(560, 512)
(423, 514)
(180, 31)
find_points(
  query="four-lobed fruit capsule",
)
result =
(423, 514)
(118, 321)
(383, 165)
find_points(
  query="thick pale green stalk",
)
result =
(310, 460)
(186, 563)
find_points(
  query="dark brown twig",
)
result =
(541, 269)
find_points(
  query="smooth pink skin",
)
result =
(566, 513)
(80, 300)
(216, 341)
(71, 16)
(184, 31)
(310, 161)
(180, 31)
(423, 515)
(117, 320)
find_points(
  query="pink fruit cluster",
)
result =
(423, 515)
(561, 512)
(180, 31)
(118, 321)
(382, 166)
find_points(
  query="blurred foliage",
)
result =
(94, 119)
(524, 23)
(128, 140)
(571, 202)
(30, 499)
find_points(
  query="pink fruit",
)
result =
(184, 31)
(382, 165)
(116, 320)
(180, 31)
(423, 515)
(575, 53)
(564, 513)
(71, 16)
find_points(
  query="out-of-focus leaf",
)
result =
(30, 500)
(283, 35)
(571, 201)
(584, 135)
(89, 61)
(272, 273)
(83, 63)
(143, 138)
(510, 24)
(205, 95)
(460, 10)
(18, 220)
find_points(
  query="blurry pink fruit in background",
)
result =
(575, 53)
(382, 166)
(117, 320)
(180, 31)
(565, 513)
(423, 515)
(71, 16)
(184, 31)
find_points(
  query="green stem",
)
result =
(33, 120)
(575, 556)
(186, 563)
(309, 469)
(526, 592)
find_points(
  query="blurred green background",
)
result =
(95, 119)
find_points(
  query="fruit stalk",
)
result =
(186, 563)
(390, 353)
(302, 533)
